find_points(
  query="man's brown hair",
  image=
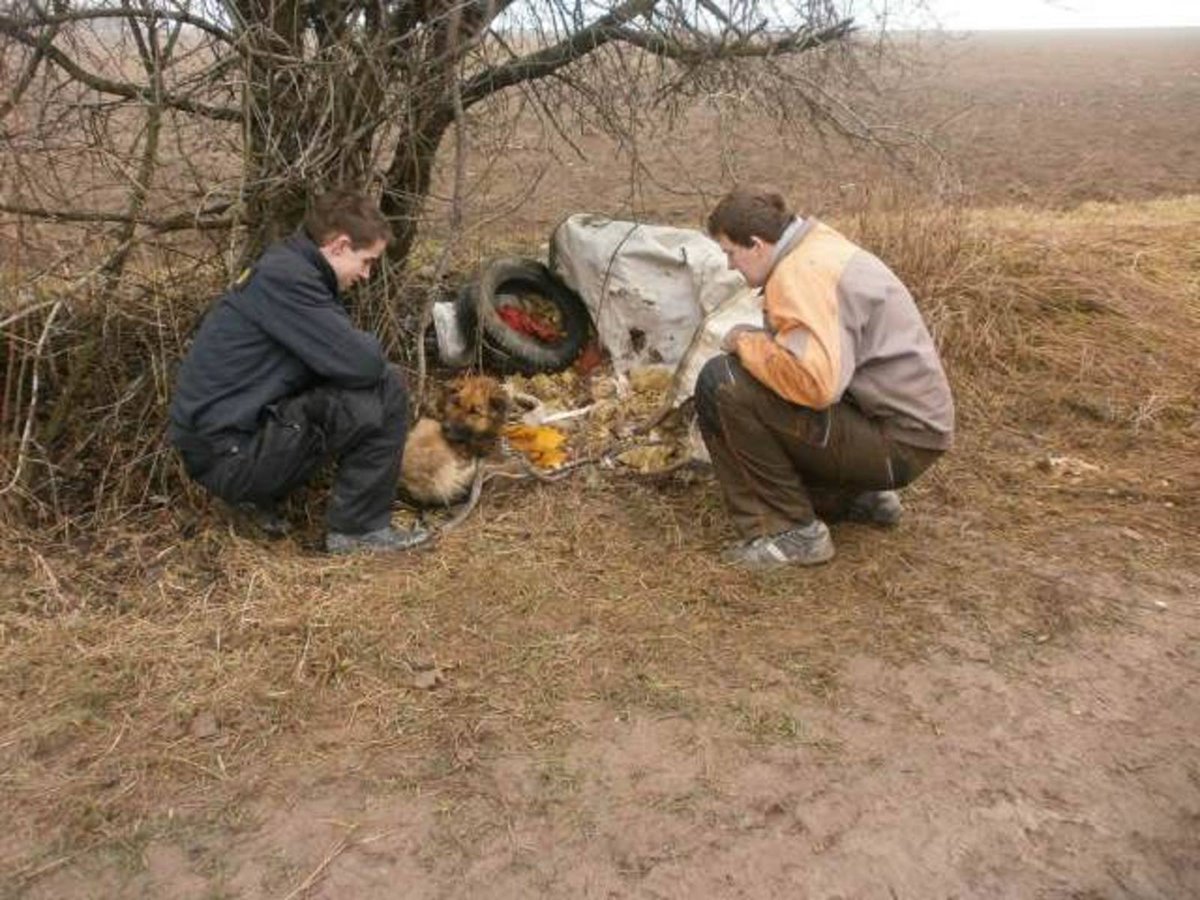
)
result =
(346, 211)
(750, 212)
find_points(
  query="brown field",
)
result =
(1050, 120)
(569, 697)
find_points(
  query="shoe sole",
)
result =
(376, 548)
(767, 565)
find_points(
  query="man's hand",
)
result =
(730, 341)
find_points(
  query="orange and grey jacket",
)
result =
(839, 324)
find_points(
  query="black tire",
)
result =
(506, 349)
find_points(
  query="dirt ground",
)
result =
(942, 713)
(570, 697)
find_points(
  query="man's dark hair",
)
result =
(346, 211)
(750, 212)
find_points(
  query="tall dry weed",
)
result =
(1061, 305)
(960, 277)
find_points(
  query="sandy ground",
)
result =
(1073, 774)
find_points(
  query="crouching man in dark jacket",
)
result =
(278, 380)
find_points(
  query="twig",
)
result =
(334, 852)
(29, 310)
(181, 222)
(41, 870)
(460, 177)
(27, 76)
(27, 432)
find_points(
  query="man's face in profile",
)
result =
(351, 265)
(753, 261)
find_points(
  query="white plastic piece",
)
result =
(453, 347)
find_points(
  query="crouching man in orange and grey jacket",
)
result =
(836, 402)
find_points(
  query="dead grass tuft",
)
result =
(1093, 310)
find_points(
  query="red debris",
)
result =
(590, 357)
(534, 326)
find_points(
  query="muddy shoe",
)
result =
(809, 545)
(875, 508)
(378, 541)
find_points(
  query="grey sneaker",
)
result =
(876, 508)
(377, 541)
(808, 545)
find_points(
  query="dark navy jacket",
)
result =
(280, 331)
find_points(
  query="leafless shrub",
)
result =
(151, 148)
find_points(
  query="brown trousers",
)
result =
(780, 465)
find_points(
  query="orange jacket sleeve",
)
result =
(799, 357)
(808, 378)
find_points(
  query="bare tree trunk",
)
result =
(408, 180)
(308, 127)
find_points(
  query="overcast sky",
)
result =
(971, 15)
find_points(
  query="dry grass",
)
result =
(157, 674)
(1095, 308)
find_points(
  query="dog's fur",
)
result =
(440, 457)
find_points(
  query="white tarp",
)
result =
(742, 308)
(650, 289)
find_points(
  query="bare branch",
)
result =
(27, 431)
(181, 222)
(545, 62)
(153, 58)
(95, 14)
(799, 42)
(460, 179)
(116, 88)
(26, 77)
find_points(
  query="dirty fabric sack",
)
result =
(650, 289)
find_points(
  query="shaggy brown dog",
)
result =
(440, 457)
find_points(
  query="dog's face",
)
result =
(473, 411)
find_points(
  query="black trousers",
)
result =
(780, 464)
(363, 430)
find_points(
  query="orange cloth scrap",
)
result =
(541, 444)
